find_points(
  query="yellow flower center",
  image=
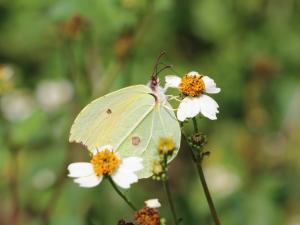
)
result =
(166, 145)
(105, 162)
(192, 85)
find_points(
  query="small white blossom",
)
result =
(44, 178)
(193, 86)
(52, 94)
(16, 106)
(222, 181)
(153, 203)
(6, 72)
(105, 162)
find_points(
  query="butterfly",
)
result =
(132, 120)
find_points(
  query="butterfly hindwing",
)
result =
(161, 122)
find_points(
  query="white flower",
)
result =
(222, 180)
(153, 203)
(43, 179)
(6, 72)
(193, 86)
(106, 162)
(52, 94)
(16, 106)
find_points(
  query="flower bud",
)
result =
(157, 168)
(197, 140)
(166, 146)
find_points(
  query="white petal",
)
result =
(210, 85)
(172, 81)
(194, 73)
(102, 148)
(124, 178)
(89, 181)
(108, 147)
(208, 107)
(188, 108)
(132, 163)
(95, 151)
(80, 169)
(153, 203)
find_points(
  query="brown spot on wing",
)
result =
(135, 140)
(108, 111)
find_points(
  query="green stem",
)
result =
(121, 194)
(169, 196)
(195, 125)
(209, 200)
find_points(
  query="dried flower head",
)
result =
(147, 216)
(72, 27)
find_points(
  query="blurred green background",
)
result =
(58, 55)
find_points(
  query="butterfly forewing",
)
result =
(110, 119)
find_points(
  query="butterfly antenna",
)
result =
(164, 68)
(154, 75)
(170, 67)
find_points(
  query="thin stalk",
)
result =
(195, 125)
(14, 184)
(121, 194)
(169, 197)
(209, 200)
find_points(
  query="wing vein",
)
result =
(151, 133)
(98, 123)
(134, 127)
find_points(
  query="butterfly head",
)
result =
(154, 82)
(157, 91)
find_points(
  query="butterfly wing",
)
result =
(110, 119)
(160, 122)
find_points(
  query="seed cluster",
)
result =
(105, 162)
(147, 216)
(192, 85)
